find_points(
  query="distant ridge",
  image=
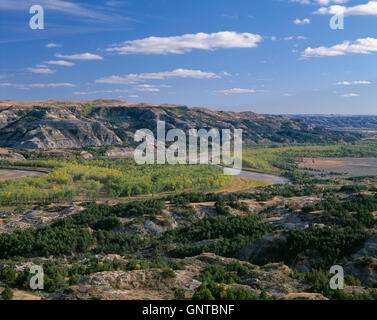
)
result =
(342, 122)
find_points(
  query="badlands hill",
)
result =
(74, 124)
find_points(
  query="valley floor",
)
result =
(101, 232)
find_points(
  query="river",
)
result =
(261, 176)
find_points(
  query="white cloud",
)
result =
(303, 21)
(178, 73)
(327, 2)
(320, 2)
(41, 70)
(52, 45)
(287, 95)
(51, 85)
(121, 90)
(83, 92)
(37, 85)
(134, 96)
(147, 88)
(369, 8)
(301, 1)
(60, 63)
(360, 46)
(80, 56)
(14, 85)
(289, 38)
(237, 91)
(62, 6)
(348, 83)
(188, 42)
(100, 92)
(350, 95)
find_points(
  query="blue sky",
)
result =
(270, 56)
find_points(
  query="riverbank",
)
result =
(9, 174)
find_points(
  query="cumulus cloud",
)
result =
(360, 46)
(178, 73)
(237, 91)
(41, 70)
(188, 42)
(303, 21)
(369, 8)
(52, 45)
(80, 56)
(60, 63)
(348, 83)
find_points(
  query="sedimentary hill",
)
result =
(73, 124)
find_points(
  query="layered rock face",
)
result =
(72, 124)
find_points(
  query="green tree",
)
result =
(7, 293)
(202, 293)
(179, 293)
(168, 273)
(9, 274)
